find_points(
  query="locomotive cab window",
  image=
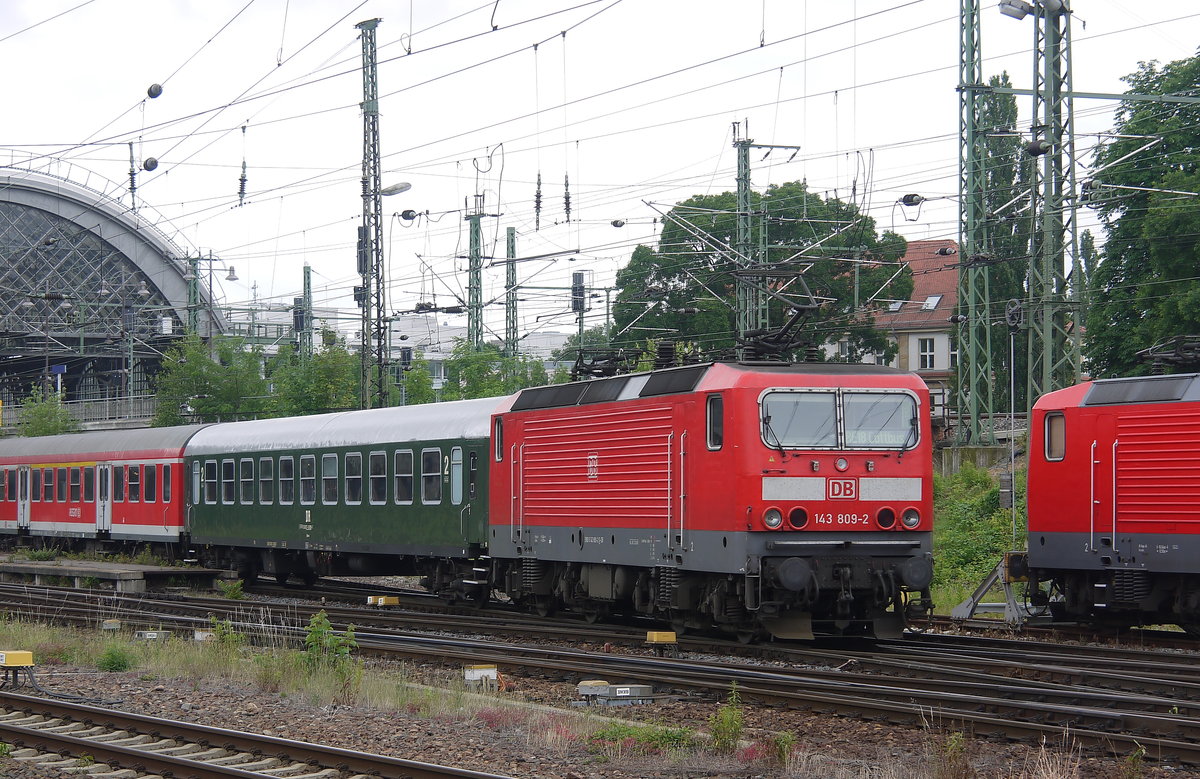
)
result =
(716, 422)
(886, 420)
(1056, 436)
(431, 475)
(837, 419)
(498, 439)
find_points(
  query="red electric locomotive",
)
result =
(1114, 500)
(63, 486)
(748, 496)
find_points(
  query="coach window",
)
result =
(36, 489)
(353, 478)
(329, 479)
(119, 483)
(716, 422)
(76, 485)
(166, 483)
(197, 495)
(456, 475)
(498, 439)
(1056, 436)
(287, 481)
(61, 477)
(210, 481)
(404, 477)
(246, 472)
(266, 481)
(134, 481)
(48, 485)
(150, 487)
(431, 475)
(228, 482)
(89, 484)
(378, 486)
(308, 480)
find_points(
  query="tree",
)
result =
(326, 381)
(1145, 288)
(416, 384)
(196, 386)
(685, 289)
(486, 372)
(43, 413)
(593, 338)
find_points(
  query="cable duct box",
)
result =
(15, 659)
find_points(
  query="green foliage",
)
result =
(5, 749)
(1134, 764)
(972, 532)
(1146, 288)
(42, 555)
(416, 385)
(687, 286)
(115, 657)
(323, 646)
(43, 413)
(783, 745)
(951, 759)
(593, 338)
(486, 373)
(232, 589)
(225, 633)
(641, 738)
(726, 723)
(203, 383)
(326, 381)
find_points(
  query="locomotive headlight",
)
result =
(841, 463)
(773, 518)
(911, 518)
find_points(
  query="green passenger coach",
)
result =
(394, 490)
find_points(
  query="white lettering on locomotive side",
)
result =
(842, 520)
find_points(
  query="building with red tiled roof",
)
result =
(920, 326)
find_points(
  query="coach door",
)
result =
(23, 497)
(104, 496)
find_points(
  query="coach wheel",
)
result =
(679, 625)
(544, 607)
(747, 636)
(281, 577)
(309, 578)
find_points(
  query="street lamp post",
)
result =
(63, 305)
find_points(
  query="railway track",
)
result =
(72, 736)
(1117, 701)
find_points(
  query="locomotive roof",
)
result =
(429, 422)
(101, 443)
(681, 379)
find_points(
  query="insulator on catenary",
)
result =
(537, 204)
(567, 196)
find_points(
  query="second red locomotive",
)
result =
(1114, 501)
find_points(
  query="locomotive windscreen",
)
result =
(839, 419)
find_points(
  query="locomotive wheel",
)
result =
(594, 614)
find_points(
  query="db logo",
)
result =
(842, 489)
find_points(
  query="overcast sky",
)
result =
(632, 100)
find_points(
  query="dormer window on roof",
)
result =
(895, 305)
(931, 302)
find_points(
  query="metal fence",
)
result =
(134, 411)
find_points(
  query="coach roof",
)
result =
(107, 444)
(430, 422)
